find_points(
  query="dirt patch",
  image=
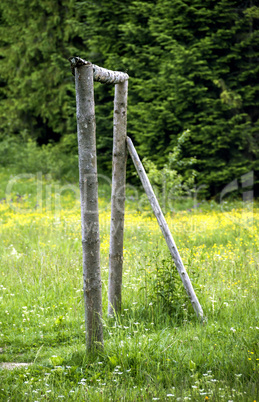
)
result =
(12, 366)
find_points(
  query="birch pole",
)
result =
(118, 197)
(165, 230)
(92, 285)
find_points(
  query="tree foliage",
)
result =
(193, 65)
(37, 92)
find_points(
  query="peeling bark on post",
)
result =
(118, 197)
(89, 205)
(165, 230)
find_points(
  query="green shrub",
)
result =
(169, 185)
(25, 156)
(164, 288)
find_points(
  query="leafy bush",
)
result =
(168, 184)
(167, 289)
(25, 156)
(163, 287)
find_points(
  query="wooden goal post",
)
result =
(85, 73)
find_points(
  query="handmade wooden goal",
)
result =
(85, 74)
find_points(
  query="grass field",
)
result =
(156, 349)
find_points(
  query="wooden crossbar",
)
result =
(100, 74)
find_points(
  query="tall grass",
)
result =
(156, 349)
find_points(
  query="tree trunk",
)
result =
(118, 197)
(89, 205)
(165, 229)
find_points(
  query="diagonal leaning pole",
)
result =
(165, 230)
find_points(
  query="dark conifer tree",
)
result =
(192, 64)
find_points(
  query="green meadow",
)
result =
(156, 349)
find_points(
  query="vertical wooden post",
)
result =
(89, 205)
(118, 197)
